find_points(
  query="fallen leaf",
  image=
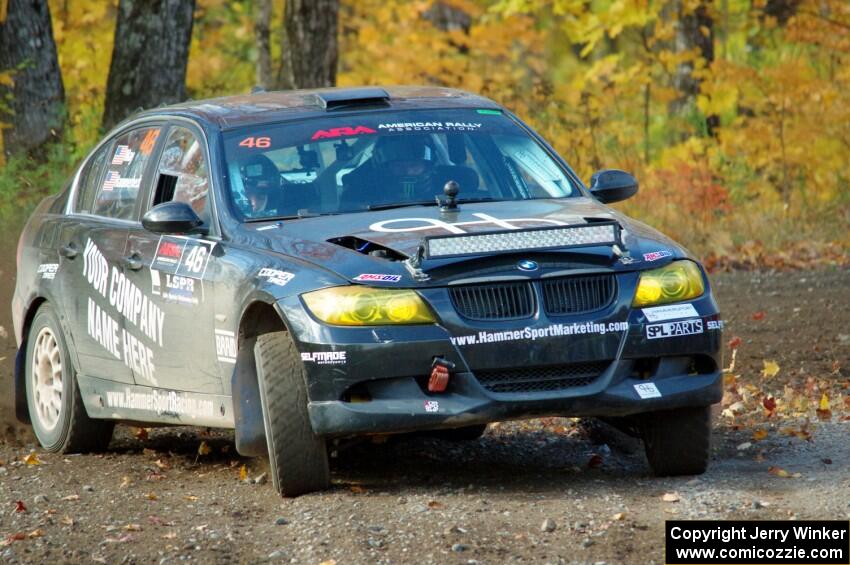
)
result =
(770, 370)
(162, 464)
(190, 497)
(735, 342)
(37, 533)
(759, 435)
(769, 404)
(67, 521)
(149, 452)
(32, 459)
(71, 497)
(328, 562)
(744, 446)
(133, 528)
(20, 506)
(151, 496)
(204, 448)
(13, 538)
(170, 535)
(823, 412)
(619, 516)
(759, 316)
(779, 472)
(826, 461)
(141, 434)
(670, 497)
(156, 476)
(433, 504)
(357, 489)
(125, 482)
(243, 473)
(669, 510)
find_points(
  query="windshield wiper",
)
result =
(390, 205)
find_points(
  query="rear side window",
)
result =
(87, 184)
(183, 172)
(125, 164)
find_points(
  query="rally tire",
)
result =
(466, 433)
(57, 413)
(298, 459)
(677, 442)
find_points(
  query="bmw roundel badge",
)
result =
(527, 265)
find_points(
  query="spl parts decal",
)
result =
(432, 406)
(48, 270)
(647, 390)
(184, 256)
(656, 255)
(274, 276)
(426, 224)
(176, 288)
(225, 346)
(674, 329)
(371, 277)
(324, 357)
(671, 312)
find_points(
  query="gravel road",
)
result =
(548, 490)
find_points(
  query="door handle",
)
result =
(69, 250)
(133, 262)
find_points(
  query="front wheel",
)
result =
(298, 459)
(677, 442)
(56, 409)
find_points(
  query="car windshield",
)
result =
(384, 159)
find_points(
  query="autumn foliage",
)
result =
(733, 114)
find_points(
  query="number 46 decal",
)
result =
(259, 142)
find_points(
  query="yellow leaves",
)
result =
(32, 459)
(823, 411)
(204, 448)
(759, 435)
(243, 473)
(770, 370)
(782, 473)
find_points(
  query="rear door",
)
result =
(91, 248)
(177, 270)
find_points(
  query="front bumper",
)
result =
(373, 380)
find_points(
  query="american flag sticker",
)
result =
(123, 154)
(111, 178)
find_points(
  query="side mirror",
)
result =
(171, 217)
(612, 185)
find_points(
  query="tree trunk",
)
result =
(695, 30)
(309, 48)
(262, 35)
(149, 57)
(33, 106)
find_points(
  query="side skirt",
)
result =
(119, 401)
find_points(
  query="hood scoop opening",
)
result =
(366, 247)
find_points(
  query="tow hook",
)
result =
(439, 374)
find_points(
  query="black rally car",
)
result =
(318, 264)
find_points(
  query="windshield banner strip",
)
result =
(583, 235)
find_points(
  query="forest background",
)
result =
(733, 114)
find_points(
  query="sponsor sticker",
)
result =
(671, 312)
(370, 277)
(432, 406)
(344, 131)
(647, 390)
(225, 346)
(161, 402)
(532, 334)
(715, 324)
(656, 255)
(175, 288)
(183, 256)
(324, 357)
(429, 126)
(48, 270)
(274, 276)
(674, 329)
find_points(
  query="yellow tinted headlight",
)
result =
(365, 306)
(680, 280)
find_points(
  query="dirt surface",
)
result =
(418, 499)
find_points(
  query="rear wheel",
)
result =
(298, 458)
(56, 409)
(677, 442)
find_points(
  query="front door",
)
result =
(176, 273)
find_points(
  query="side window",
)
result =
(87, 183)
(183, 172)
(119, 189)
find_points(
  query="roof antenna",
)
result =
(451, 190)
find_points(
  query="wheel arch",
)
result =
(258, 318)
(20, 388)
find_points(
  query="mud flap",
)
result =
(247, 408)
(21, 411)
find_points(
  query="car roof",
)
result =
(269, 107)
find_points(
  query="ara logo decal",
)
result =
(341, 132)
(426, 224)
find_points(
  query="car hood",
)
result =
(382, 242)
